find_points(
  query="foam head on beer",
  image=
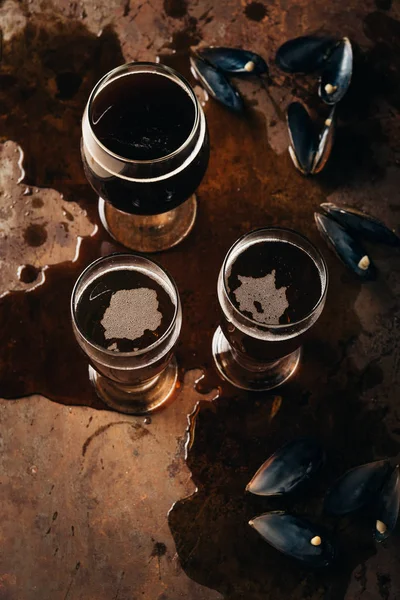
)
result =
(125, 310)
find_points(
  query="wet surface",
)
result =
(345, 391)
(28, 273)
(232, 438)
(36, 228)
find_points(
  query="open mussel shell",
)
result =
(295, 537)
(336, 76)
(388, 507)
(349, 250)
(302, 137)
(288, 468)
(325, 143)
(215, 83)
(362, 224)
(304, 54)
(234, 60)
(308, 151)
(357, 488)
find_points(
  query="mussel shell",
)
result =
(288, 468)
(304, 141)
(304, 54)
(235, 60)
(362, 224)
(292, 536)
(357, 488)
(349, 250)
(215, 82)
(325, 144)
(388, 505)
(337, 73)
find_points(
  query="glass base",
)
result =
(152, 233)
(264, 377)
(137, 400)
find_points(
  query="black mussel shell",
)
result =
(309, 152)
(296, 538)
(362, 224)
(357, 488)
(216, 84)
(336, 76)
(288, 468)
(388, 507)
(349, 250)
(302, 136)
(235, 60)
(304, 54)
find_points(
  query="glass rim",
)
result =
(302, 238)
(168, 70)
(132, 353)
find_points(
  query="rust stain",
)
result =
(99, 431)
(136, 432)
(35, 235)
(255, 11)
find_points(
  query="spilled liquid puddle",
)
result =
(230, 438)
(233, 436)
(36, 228)
(247, 185)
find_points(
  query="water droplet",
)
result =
(28, 273)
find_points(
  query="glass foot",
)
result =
(265, 376)
(152, 233)
(140, 399)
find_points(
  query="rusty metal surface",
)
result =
(85, 496)
(85, 493)
(38, 229)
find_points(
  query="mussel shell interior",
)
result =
(388, 505)
(337, 73)
(303, 136)
(304, 54)
(356, 488)
(362, 224)
(288, 468)
(215, 82)
(234, 60)
(292, 536)
(325, 144)
(348, 249)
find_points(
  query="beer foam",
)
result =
(130, 313)
(260, 297)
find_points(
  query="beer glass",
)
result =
(271, 289)
(145, 151)
(126, 317)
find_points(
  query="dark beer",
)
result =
(124, 310)
(142, 116)
(273, 283)
(145, 116)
